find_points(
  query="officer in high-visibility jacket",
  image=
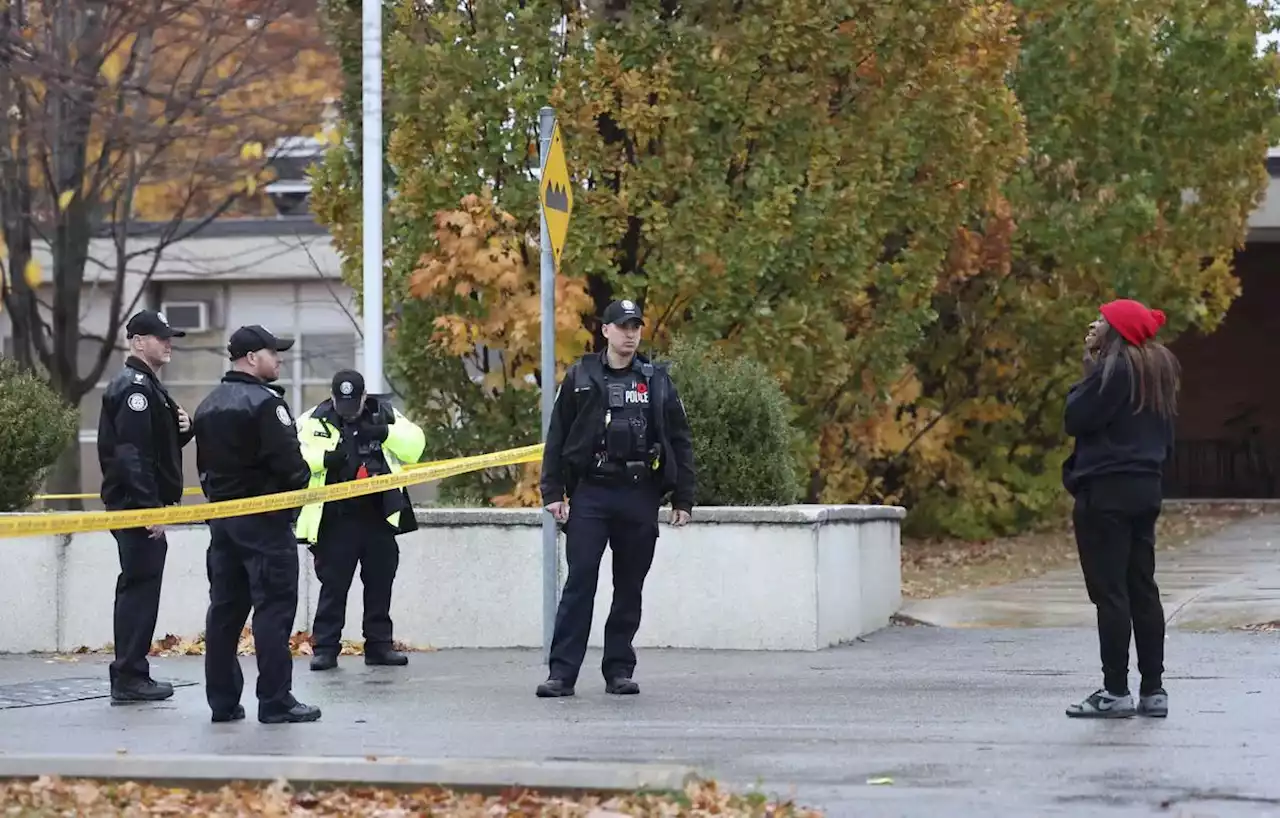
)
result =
(350, 436)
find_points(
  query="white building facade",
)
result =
(282, 273)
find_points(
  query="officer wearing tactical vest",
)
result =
(246, 446)
(141, 433)
(350, 436)
(618, 442)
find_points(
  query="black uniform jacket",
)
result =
(577, 424)
(139, 445)
(246, 441)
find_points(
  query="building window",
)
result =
(200, 360)
(319, 356)
(322, 355)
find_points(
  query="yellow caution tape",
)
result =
(196, 491)
(78, 522)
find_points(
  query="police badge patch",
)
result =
(283, 414)
(138, 402)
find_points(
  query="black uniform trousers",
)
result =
(354, 531)
(626, 519)
(137, 603)
(252, 563)
(1115, 526)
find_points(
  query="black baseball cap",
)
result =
(253, 338)
(624, 310)
(347, 390)
(150, 322)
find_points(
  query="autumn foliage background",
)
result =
(906, 212)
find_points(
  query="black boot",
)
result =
(621, 686)
(554, 688)
(324, 661)
(299, 712)
(385, 656)
(128, 691)
(235, 715)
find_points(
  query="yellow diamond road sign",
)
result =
(556, 195)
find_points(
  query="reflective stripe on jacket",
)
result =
(404, 444)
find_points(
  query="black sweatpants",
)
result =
(350, 535)
(625, 518)
(137, 604)
(252, 563)
(1115, 526)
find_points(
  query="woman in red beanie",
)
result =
(1121, 416)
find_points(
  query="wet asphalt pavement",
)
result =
(956, 722)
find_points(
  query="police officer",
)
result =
(141, 432)
(246, 446)
(618, 442)
(350, 436)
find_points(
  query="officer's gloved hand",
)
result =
(335, 459)
(374, 431)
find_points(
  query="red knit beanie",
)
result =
(1135, 323)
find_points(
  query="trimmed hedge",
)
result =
(744, 438)
(38, 426)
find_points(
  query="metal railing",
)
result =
(1236, 469)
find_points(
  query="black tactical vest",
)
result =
(627, 420)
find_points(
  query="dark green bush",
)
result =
(744, 439)
(38, 426)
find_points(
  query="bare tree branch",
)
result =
(119, 111)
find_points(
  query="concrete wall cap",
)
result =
(728, 515)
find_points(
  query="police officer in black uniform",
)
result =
(618, 442)
(141, 432)
(246, 446)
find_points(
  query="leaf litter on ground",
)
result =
(50, 796)
(299, 645)
(933, 568)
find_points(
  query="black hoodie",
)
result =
(1110, 438)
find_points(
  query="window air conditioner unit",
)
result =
(188, 316)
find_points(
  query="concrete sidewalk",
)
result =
(1225, 581)
(947, 722)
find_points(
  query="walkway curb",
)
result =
(460, 774)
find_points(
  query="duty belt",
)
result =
(622, 473)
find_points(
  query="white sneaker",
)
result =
(1154, 705)
(1103, 705)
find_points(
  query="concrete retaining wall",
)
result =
(788, 578)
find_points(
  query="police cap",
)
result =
(348, 391)
(254, 338)
(150, 322)
(621, 311)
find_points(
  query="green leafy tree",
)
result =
(1147, 125)
(783, 177)
(905, 211)
(38, 426)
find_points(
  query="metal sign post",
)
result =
(371, 175)
(556, 201)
